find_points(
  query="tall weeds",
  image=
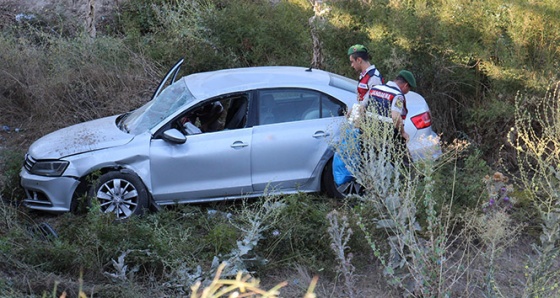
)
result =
(340, 233)
(535, 139)
(417, 256)
(70, 80)
(427, 250)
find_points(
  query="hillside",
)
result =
(488, 72)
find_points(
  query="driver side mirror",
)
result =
(174, 136)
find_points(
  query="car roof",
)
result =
(213, 83)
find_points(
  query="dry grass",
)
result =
(91, 80)
(52, 78)
(86, 81)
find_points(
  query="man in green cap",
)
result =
(369, 75)
(390, 104)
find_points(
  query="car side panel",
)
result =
(208, 165)
(288, 154)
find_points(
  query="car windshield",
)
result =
(153, 112)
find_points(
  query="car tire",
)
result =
(121, 193)
(338, 192)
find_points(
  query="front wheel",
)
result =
(120, 193)
(338, 191)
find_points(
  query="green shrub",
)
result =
(166, 30)
(10, 165)
(219, 235)
(300, 234)
(253, 33)
(467, 174)
(219, 35)
(153, 244)
(140, 16)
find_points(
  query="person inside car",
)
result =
(209, 116)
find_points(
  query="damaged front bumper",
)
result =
(52, 194)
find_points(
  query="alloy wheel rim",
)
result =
(118, 196)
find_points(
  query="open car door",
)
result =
(169, 78)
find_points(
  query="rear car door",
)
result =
(291, 136)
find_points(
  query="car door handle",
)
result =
(239, 144)
(320, 134)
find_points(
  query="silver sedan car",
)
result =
(226, 134)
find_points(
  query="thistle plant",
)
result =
(121, 269)
(495, 227)
(535, 140)
(340, 233)
(417, 257)
(499, 198)
(496, 231)
(252, 221)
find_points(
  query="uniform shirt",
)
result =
(387, 98)
(369, 78)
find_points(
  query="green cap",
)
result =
(356, 49)
(408, 77)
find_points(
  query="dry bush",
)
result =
(535, 139)
(497, 231)
(55, 82)
(52, 77)
(428, 250)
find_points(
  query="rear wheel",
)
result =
(120, 193)
(338, 191)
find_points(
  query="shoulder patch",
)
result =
(399, 102)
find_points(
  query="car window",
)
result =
(330, 107)
(226, 112)
(237, 111)
(287, 105)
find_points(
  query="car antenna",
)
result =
(309, 69)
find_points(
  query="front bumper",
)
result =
(52, 194)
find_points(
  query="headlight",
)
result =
(49, 168)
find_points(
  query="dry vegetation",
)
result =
(61, 81)
(52, 76)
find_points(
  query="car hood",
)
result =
(88, 136)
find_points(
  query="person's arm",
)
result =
(399, 124)
(396, 112)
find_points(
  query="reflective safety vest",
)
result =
(382, 97)
(363, 86)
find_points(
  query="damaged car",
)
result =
(211, 136)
